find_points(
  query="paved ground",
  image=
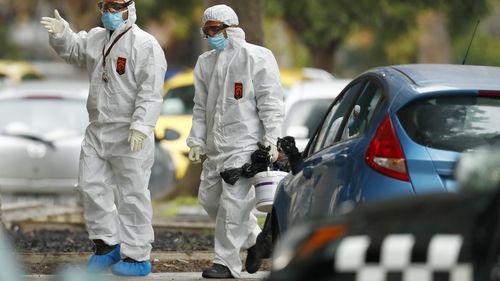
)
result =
(45, 264)
(184, 214)
(181, 276)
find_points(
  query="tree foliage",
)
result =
(155, 10)
(324, 24)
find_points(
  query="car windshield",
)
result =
(304, 116)
(49, 119)
(178, 101)
(31, 76)
(452, 123)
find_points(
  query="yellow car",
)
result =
(17, 71)
(174, 123)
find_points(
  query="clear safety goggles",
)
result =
(112, 7)
(211, 30)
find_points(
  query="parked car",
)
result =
(13, 72)
(447, 236)
(291, 76)
(413, 123)
(305, 106)
(174, 123)
(175, 117)
(42, 124)
(41, 130)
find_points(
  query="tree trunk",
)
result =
(434, 39)
(84, 15)
(188, 185)
(323, 57)
(250, 14)
(1, 216)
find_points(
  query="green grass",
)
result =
(172, 207)
(185, 201)
(260, 221)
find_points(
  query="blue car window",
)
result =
(332, 124)
(362, 112)
(453, 123)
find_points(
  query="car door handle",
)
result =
(308, 169)
(340, 159)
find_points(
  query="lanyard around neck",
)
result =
(105, 54)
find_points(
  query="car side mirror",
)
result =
(171, 134)
(307, 172)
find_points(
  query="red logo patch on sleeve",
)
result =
(238, 90)
(120, 65)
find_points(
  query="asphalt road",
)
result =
(181, 276)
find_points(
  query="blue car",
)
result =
(393, 131)
(450, 237)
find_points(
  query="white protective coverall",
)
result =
(130, 99)
(238, 100)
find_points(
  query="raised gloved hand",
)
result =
(136, 140)
(195, 154)
(53, 25)
(273, 152)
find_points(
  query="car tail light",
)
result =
(384, 153)
(493, 94)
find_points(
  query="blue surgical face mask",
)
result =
(217, 42)
(112, 21)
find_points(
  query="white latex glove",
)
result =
(136, 140)
(53, 25)
(195, 154)
(274, 150)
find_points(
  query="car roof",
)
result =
(288, 77)
(76, 89)
(309, 90)
(180, 79)
(435, 77)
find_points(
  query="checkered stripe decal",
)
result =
(397, 257)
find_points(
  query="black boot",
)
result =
(264, 241)
(218, 271)
(101, 248)
(253, 261)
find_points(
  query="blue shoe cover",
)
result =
(124, 268)
(98, 263)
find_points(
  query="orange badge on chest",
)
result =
(238, 90)
(120, 65)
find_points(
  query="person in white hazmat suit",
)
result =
(238, 102)
(126, 69)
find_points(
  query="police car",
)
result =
(450, 236)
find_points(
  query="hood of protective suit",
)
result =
(236, 36)
(222, 13)
(132, 15)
